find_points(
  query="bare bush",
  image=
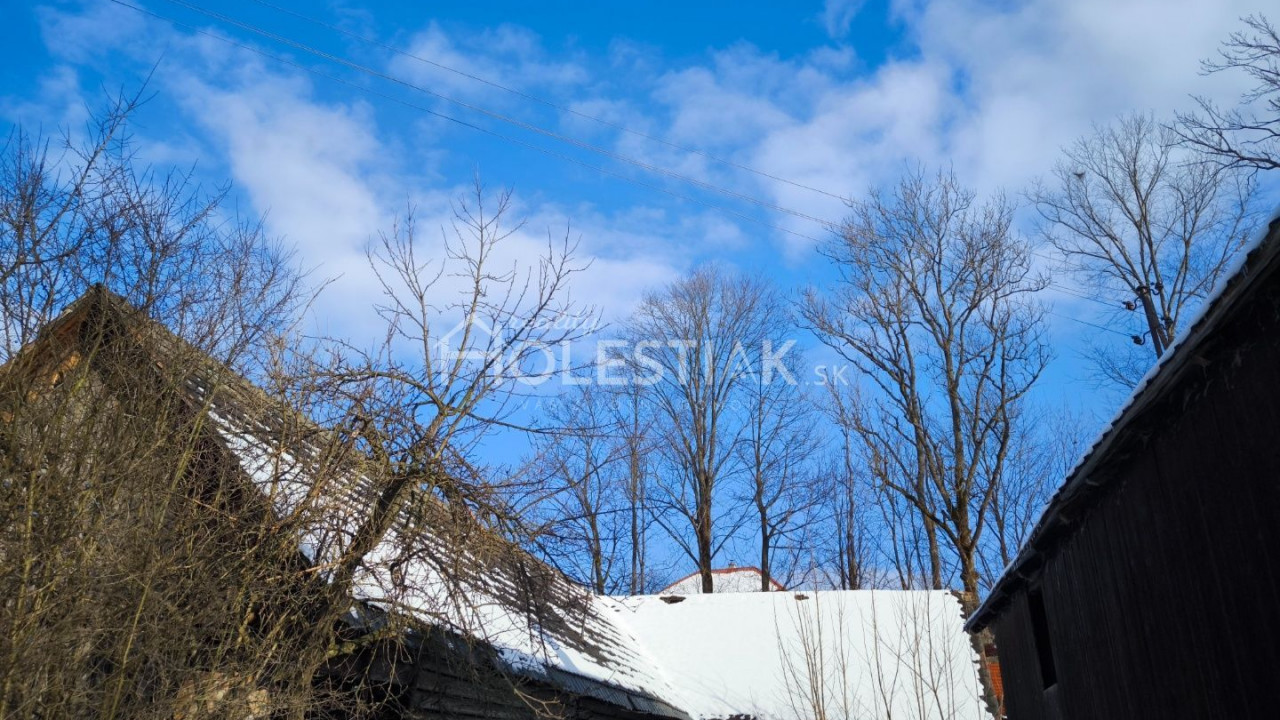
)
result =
(141, 579)
(179, 542)
(878, 654)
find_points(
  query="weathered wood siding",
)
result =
(440, 676)
(1163, 601)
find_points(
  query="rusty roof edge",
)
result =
(1259, 259)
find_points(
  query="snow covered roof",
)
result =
(793, 656)
(1061, 513)
(541, 625)
(452, 574)
(725, 580)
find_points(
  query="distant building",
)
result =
(732, 579)
(1150, 586)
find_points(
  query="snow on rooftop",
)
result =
(574, 633)
(794, 656)
(875, 654)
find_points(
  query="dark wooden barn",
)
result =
(1150, 587)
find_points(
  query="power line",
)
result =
(464, 123)
(548, 103)
(500, 116)
(1072, 291)
(1090, 324)
(1077, 294)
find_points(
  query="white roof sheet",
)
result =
(781, 655)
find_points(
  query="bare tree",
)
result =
(1046, 444)
(74, 214)
(588, 498)
(52, 201)
(1246, 137)
(1146, 227)
(123, 597)
(467, 331)
(180, 542)
(904, 539)
(846, 495)
(695, 342)
(633, 419)
(934, 307)
(775, 450)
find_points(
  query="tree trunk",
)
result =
(637, 499)
(597, 556)
(935, 556)
(967, 549)
(765, 573)
(637, 570)
(703, 532)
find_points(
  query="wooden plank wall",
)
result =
(440, 676)
(1164, 602)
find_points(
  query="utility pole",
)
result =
(1158, 338)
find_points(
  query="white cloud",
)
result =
(58, 102)
(1037, 76)
(315, 169)
(710, 111)
(94, 29)
(327, 175)
(993, 89)
(838, 15)
(508, 55)
(297, 157)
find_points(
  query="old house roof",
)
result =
(542, 625)
(537, 624)
(871, 653)
(1087, 482)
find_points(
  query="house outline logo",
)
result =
(498, 349)
(447, 352)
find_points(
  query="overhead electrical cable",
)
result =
(1077, 294)
(1073, 291)
(530, 127)
(548, 103)
(1090, 324)
(464, 123)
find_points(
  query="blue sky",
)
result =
(837, 96)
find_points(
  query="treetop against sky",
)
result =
(662, 135)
